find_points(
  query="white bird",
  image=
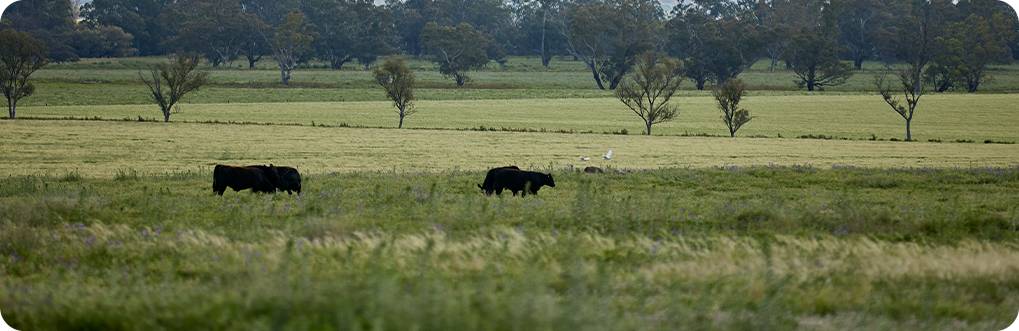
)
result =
(584, 158)
(608, 155)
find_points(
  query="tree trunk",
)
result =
(972, 85)
(810, 85)
(597, 77)
(12, 108)
(460, 79)
(858, 63)
(545, 59)
(285, 76)
(401, 119)
(647, 128)
(337, 63)
(166, 116)
(615, 82)
(700, 83)
(251, 62)
(909, 132)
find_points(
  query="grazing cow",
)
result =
(594, 170)
(518, 181)
(258, 179)
(290, 180)
(487, 185)
(285, 178)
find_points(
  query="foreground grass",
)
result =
(734, 248)
(943, 117)
(98, 148)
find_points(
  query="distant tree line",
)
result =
(821, 41)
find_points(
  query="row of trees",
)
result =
(717, 39)
(647, 91)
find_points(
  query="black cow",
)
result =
(290, 180)
(487, 185)
(286, 178)
(516, 181)
(258, 179)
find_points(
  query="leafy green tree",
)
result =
(140, 18)
(214, 28)
(967, 49)
(456, 49)
(859, 24)
(779, 19)
(398, 81)
(169, 82)
(728, 96)
(491, 17)
(376, 36)
(647, 91)
(334, 24)
(608, 35)
(105, 41)
(814, 57)
(290, 41)
(536, 22)
(253, 43)
(714, 44)
(20, 56)
(49, 21)
(349, 29)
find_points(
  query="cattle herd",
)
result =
(272, 179)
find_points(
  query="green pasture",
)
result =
(941, 117)
(735, 248)
(815, 218)
(102, 148)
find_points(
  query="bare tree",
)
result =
(171, 81)
(20, 56)
(912, 86)
(912, 40)
(398, 80)
(728, 95)
(648, 90)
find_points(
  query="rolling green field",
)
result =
(812, 219)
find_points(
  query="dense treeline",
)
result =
(821, 41)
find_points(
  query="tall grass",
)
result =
(730, 248)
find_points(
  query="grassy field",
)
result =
(116, 82)
(98, 148)
(946, 118)
(738, 248)
(813, 219)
